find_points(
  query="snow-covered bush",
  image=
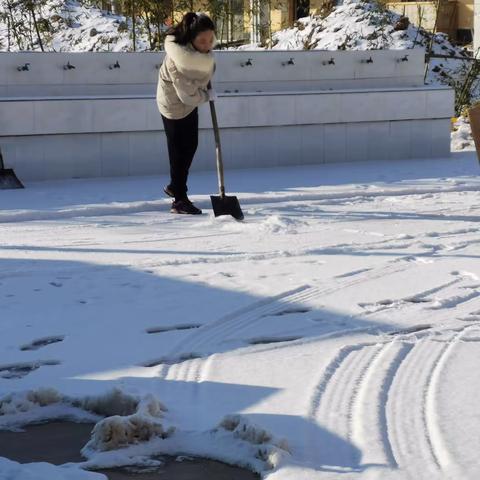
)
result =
(119, 431)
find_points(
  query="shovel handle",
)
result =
(218, 147)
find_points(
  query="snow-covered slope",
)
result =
(363, 25)
(71, 26)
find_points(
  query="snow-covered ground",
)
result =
(335, 330)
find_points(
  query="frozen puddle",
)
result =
(61, 442)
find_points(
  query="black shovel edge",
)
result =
(8, 179)
(223, 205)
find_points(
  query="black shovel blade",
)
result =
(227, 206)
(9, 180)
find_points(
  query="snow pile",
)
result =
(39, 406)
(10, 470)
(69, 26)
(46, 404)
(462, 135)
(267, 448)
(121, 431)
(136, 439)
(280, 224)
(114, 402)
(25, 401)
(358, 25)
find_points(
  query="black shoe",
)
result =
(168, 190)
(185, 207)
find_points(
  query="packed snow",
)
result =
(335, 330)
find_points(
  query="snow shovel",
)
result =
(222, 205)
(8, 179)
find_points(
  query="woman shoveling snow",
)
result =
(183, 85)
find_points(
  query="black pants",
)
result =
(182, 141)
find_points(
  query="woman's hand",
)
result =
(212, 94)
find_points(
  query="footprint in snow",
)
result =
(42, 342)
(171, 360)
(20, 370)
(288, 311)
(414, 329)
(226, 274)
(171, 328)
(270, 340)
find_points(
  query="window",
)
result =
(302, 9)
(464, 36)
(231, 22)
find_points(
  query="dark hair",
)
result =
(191, 25)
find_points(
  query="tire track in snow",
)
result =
(455, 301)
(375, 307)
(412, 413)
(442, 454)
(370, 428)
(422, 297)
(361, 398)
(205, 340)
(349, 400)
(329, 372)
(379, 396)
(206, 334)
(405, 416)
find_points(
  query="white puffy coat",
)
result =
(183, 79)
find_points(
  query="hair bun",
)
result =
(190, 17)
